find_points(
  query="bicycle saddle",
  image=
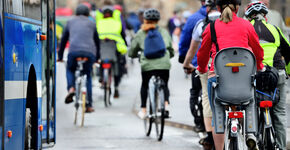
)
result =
(82, 59)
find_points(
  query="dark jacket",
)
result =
(82, 35)
(186, 34)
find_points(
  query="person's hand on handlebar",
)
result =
(188, 68)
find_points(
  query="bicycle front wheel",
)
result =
(160, 114)
(148, 121)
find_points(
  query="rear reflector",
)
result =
(236, 115)
(234, 129)
(266, 104)
(106, 66)
(235, 69)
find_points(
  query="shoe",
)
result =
(252, 142)
(90, 109)
(199, 128)
(206, 143)
(141, 115)
(116, 93)
(166, 114)
(69, 98)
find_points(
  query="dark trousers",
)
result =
(146, 75)
(195, 100)
(71, 68)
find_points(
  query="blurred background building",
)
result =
(167, 7)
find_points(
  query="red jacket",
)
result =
(237, 33)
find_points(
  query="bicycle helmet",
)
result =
(228, 2)
(210, 3)
(108, 10)
(151, 14)
(82, 10)
(255, 8)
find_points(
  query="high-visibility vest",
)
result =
(111, 28)
(270, 48)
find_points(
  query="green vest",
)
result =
(111, 28)
(270, 48)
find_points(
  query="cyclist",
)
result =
(212, 15)
(275, 47)
(84, 42)
(231, 31)
(184, 44)
(110, 30)
(149, 67)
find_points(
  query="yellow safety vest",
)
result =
(111, 28)
(270, 48)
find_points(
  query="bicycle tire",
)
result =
(77, 96)
(159, 121)
(105, 94)
(269, 144)
(84, 97)
(148, 121)
(234, 143)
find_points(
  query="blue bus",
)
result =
(27, 74)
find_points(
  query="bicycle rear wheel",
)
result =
(148, 122)
(268, 141)
(160, 114)
(84, 97)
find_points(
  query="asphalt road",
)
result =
(115, 127)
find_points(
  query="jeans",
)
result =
(71, 68)
(209, 88)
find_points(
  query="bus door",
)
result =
(48, 73)
(1, 76)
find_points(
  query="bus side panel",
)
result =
(39, 123)
(14, 121)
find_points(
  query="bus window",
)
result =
(14, 7)
(26, 8)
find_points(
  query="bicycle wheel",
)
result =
(233, 143)
(105, 94)
(84, 98)
(77, 97)
(159, 113)
(148, 121)
(268, 140)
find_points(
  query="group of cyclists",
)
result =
(265, 40)
(104, 38)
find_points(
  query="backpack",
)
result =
(154, 46)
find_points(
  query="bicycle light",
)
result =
(106, 66)
(236, 115)
(235, 66)
(266, 104)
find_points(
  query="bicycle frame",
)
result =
(80, 83)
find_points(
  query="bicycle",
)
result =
(81, 89)
(156, 107)
(266, 132)
(234, 105)
(107, 79)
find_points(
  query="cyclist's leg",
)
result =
(88, 69)
(146, 75)
(70, 70)
(279, 112)
(117, 77)
(218, 138)
(70, 75)
(195, 104)
(207, 113)
(164, 75)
